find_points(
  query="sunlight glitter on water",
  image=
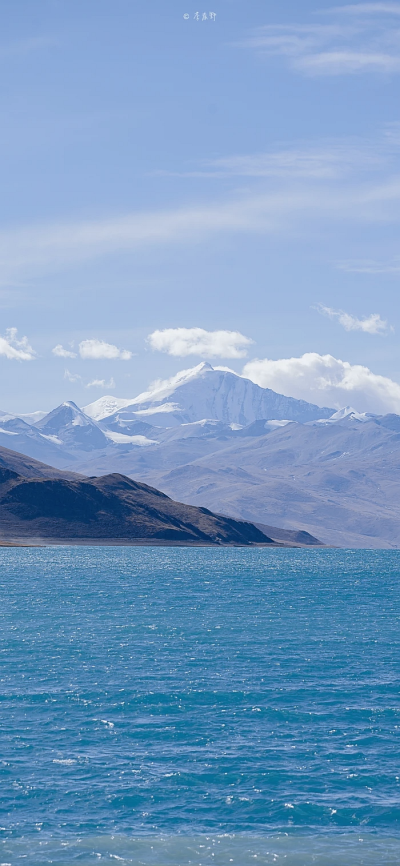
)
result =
(152, 701)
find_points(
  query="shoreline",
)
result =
(145, 542)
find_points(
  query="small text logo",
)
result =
(201, 16)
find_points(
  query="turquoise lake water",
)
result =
(181, 707)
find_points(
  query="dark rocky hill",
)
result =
(28, 467)
(112, 508)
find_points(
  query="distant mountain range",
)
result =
(210, 438)
(221, 401)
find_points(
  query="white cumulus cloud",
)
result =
(14, 349)
(96, 350)
(327, 381)
(181, 342)
(372, 324)
(63, 353)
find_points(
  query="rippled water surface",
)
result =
(175, 706)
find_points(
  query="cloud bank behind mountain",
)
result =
(326, 380)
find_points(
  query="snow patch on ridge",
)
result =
(123, 439)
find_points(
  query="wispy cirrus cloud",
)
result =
(39, 249)
(362, 38)
(369, 266)
(344, 181)
(181, 342)
(16, 349)
(364, 9)
(94, 383)
(326, 161)
(36, 248)
(72, 377)
(101, 383)
(21, 48)
(372, 324)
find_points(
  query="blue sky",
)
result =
(235, 174)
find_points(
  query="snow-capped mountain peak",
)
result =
(66, 413)
(345, 414)
(105, 406)
(206, 392)
(73, 427)
(161, 389)
(212, 393)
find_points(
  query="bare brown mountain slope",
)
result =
(28, 467)
(109, 508)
